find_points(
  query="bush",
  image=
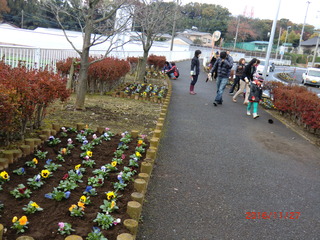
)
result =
(29, 92)
(300, 103)
(156, 61)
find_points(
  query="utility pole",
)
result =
(304, 23)
(278, 42)
(21, 18)
(273, 29)
(235, 39)
(316, 49)
(174, 25)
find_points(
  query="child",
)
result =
(173, 72)
(255, 97)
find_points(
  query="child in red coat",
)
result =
(254, 98)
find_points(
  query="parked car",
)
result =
(311, 76)
(261, 67)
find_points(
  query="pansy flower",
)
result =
(72, 207)
(138, 154)
(14, 219)
(23, 220)
(35, 161)
(4, 175)
(63, 151)
(83, 199)
(110, 195)
(77, 167)
(114, 163)
(94, 136)
(89, 153)
(45, 173)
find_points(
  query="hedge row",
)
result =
(299, 102)
(24, 97)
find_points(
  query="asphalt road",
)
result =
(216, 167)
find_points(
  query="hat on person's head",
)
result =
(217, 53)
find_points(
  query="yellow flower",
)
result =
(89, 153)
(140, 142)
(110, 195)
(72, 207)
(35, 161)
(63, 151)
(23, 220)
(4, 175)
(34, 204)
(83, 199)
(45, 173)
(14, 219)
(113, 203)
(138, 154)
(114, 163)
(77, 167)
(81, 204)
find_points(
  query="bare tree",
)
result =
(97, 21)
(151, 20)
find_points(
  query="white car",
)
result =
(261, 66)
(311, 76)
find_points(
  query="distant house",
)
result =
(182, 40)
(205, 38)
(309, 46)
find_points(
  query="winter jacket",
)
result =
(223, 68)
(174, 70)
(240, 69)
(248, 72)
(255, 91)
(195, 65)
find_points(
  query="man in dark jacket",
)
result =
(223, 68)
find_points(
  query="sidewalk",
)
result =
(215, 164)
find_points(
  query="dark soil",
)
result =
(44, 225)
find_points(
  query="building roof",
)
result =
(260, 42)
(185, 39)
(310, 42)
(194, 33)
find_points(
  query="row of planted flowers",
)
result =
(142, 91)
(90, 178)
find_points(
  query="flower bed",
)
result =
(76, 183)
(150, 92)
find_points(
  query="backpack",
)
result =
(176, 73)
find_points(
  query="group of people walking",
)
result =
(245, 79)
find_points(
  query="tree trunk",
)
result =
(143, 64)
(84, 65)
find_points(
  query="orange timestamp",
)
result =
(273, 215)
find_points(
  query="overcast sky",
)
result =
(294, 10)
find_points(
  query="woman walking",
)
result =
(195, 70)
(246, 78)
(239, 72)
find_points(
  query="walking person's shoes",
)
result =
(245, 103)
(193, 93)
(215, 104)
(248, 113)
(234, 100)
(255, 115)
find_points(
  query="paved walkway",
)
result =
(215, 164)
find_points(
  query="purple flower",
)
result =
(94, 136)
(78, 172)
(88, 189)
(51, 138)
(48, 195)
(48, 161)
(69, 141)
(38, 177)
(103, 168)
(107, 129)
(22, 170)
(96, 230)
(67, 194)
(85, 142)
(86, 157)
(106, 135)
(120, 177)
